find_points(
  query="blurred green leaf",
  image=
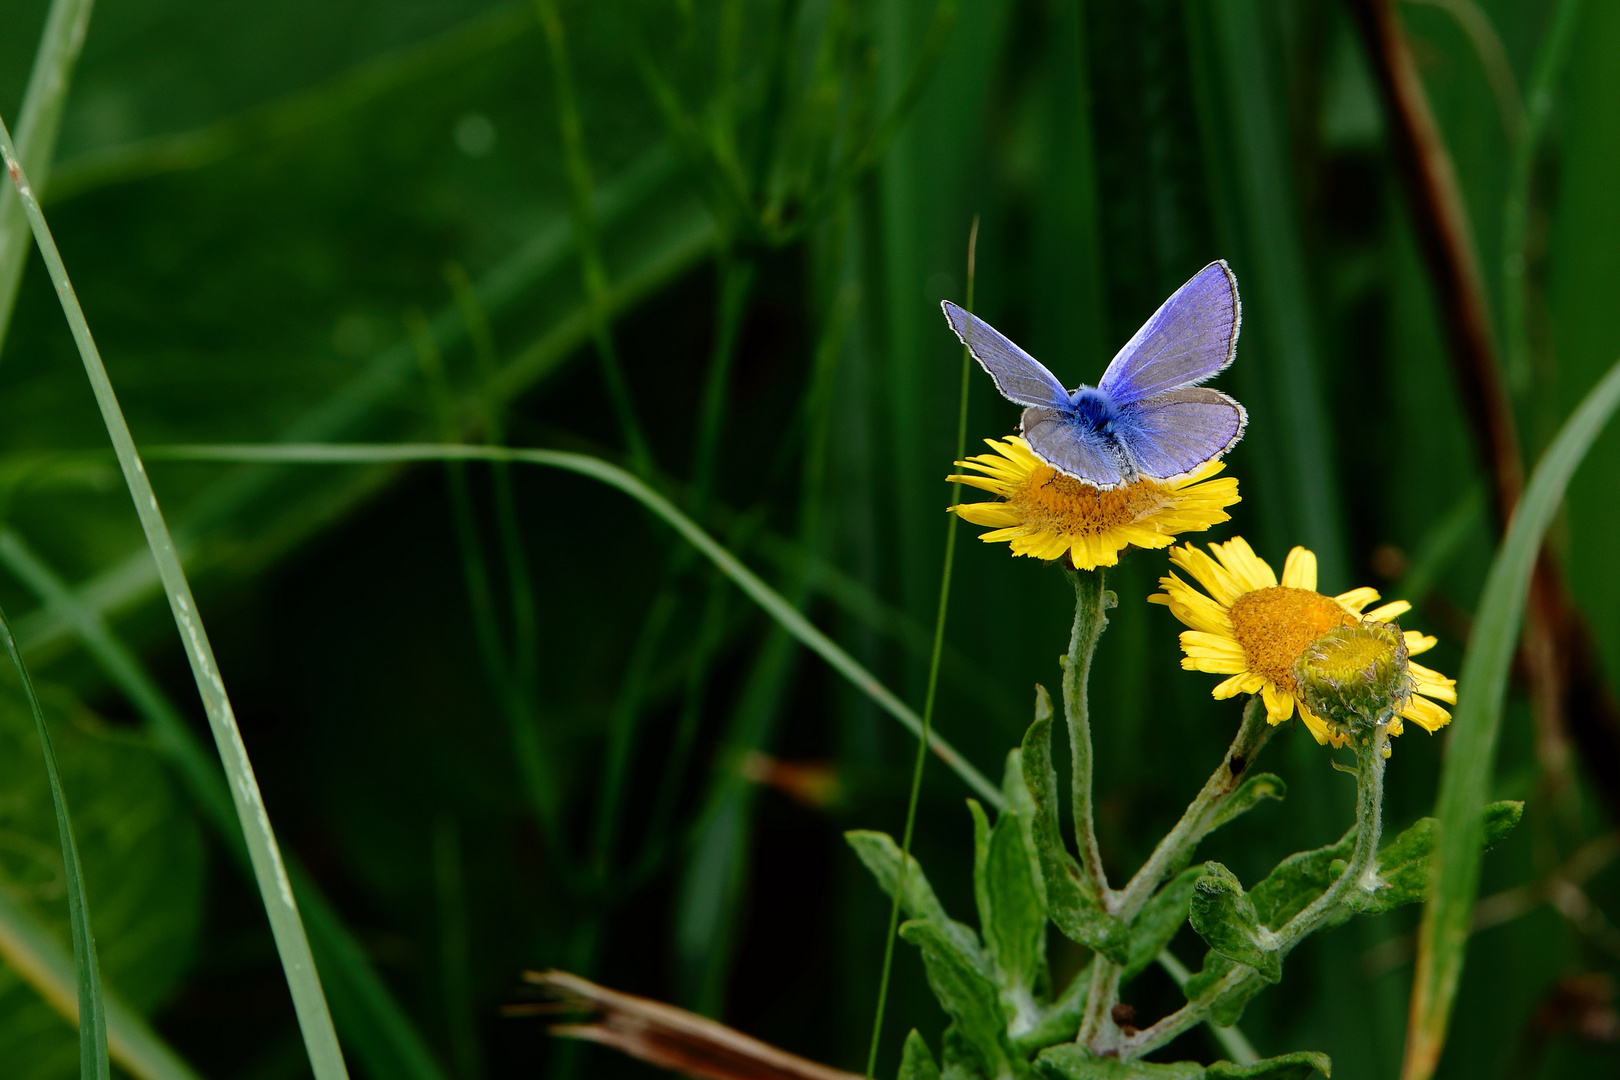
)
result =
(143, 869)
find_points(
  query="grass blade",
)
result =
(309, 1001)
(35, 954)
(728, 564)
(378, 1032)
(38, 122)
(91, 1011)
(1465, 777)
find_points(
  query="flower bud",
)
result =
(1355, 677)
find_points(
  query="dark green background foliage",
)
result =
(252, 198)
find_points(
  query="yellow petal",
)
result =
(1299, 572)
(1388, 612)
(1279, 703)
(1356, 599)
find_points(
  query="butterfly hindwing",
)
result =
(1019, 376)
(1189, 339)
(1058, 439)
(1173, 433)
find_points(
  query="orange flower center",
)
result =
(1277, 624)
(1051, 501)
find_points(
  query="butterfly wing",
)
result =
(1070, 447)
(1019, 376)
(1192, 336)
(1173, 433)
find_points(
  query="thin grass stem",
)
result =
(309, 1001)
(933, 681)
(592, 268)
(1538, 104)
(534, 771)
(519, 580)
(92, 1011)
(455, 953)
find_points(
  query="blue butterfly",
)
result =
(1147, 416)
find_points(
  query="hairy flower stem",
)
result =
(1362, 872)
(1090, 601)
(1200, 816)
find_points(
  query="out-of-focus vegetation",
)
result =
(504, 719)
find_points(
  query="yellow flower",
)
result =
(1254, 629)
(1046, 514)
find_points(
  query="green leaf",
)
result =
(1015, 932)
(1471, 754)
(1404, 864)
(916, 1063)
(1158, 922)
(1295, 1066)
(882, 857)
(1254, 789)
(1068, 901)
(966, 993)
(1072, 1062)
(1298, 880)
(1225, 917)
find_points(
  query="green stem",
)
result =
(92, 1012)
(1090, 601)
(933, 681)
(1362, 870)
(1360, 873)
(1199, 817)
(309, 1000)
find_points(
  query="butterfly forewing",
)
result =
(1190, 338)
(1019, 376)
(1173, 433)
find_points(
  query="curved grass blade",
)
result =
(38, 122)
(379, 1034)
(320, 1039)
(584, 465)
(1466, 775)
(37, 956)
(92, 1012)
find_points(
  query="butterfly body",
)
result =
(1147, 416)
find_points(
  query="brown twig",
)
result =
(673, 1038)
(1570, 695)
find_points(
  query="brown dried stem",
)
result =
(1570, 695)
